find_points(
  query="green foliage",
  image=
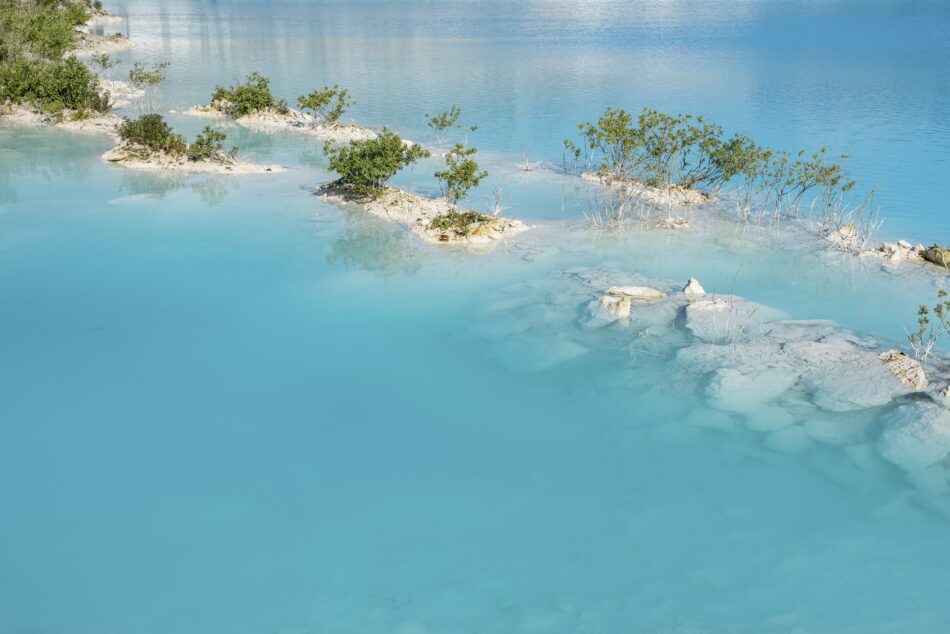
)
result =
(103, 62)
(441, 123)
(142, 78)
(209, 145)
(39, 29)
(459, 220)
(52, 86)
(461, 173)
(658, 150)
(326, 105)
(365, 167)
(151, 131)
(253, 95)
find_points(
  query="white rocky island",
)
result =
(251, 104)
(148, 143)
(365, 168)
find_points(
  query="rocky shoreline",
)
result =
(426, 217)
(288, 119)
(138, 157)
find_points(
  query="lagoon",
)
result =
(229, 406)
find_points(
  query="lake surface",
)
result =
(228, 406)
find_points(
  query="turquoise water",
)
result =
(230, 407)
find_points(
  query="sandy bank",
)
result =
(418, 214)
(140, 158)
(22, 114)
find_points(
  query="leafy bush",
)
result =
(52, 86)
(461, 173)
(327, 105)
(209, 145)
(41, 29)
(246, 98)
(365, 167)
(151, 131)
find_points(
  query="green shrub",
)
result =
(461, 173)
(246, 98)
(365, 167)
(52, 86)
(151, 131)
(209, 145)
(40, 29)
(327, 105)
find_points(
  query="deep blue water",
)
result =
(226, 406)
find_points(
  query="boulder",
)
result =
(836, 432)
(693, 288)
(937, 255)
(915, 435)
(770, 418)
(907, 370)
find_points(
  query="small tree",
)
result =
(365, 167)
(461, 173)
(103, 62)
(327, 105)
(928, 333)
(148, 80)
(441, 123)
(209, 145)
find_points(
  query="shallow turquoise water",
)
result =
(229, 407)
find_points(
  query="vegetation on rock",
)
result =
(150, 131)
(366, 167)
(34, 36)
(209, 146)
(252, 95)
(661, 150)
(326, 105)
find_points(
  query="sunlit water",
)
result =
(226, 406)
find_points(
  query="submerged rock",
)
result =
(725, 318)
(637, 293)
(672, 223)
(907, 370)
(915, 435)
(747, 390)
(608, 309)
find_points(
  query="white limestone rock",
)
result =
(637, 293)
(607, 309)
(843, 375)
(693, 288)
(915, 436)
